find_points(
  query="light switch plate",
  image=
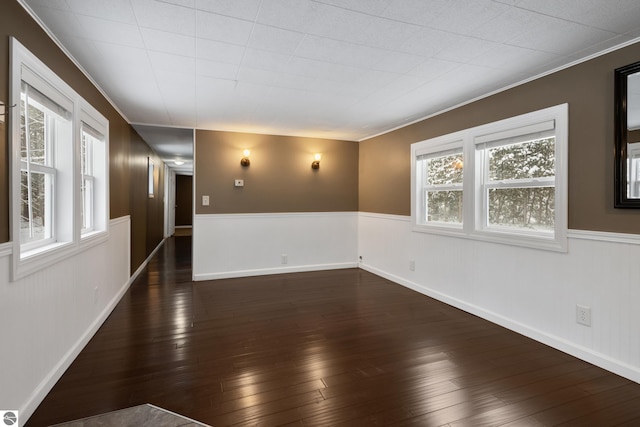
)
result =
(239, 182)
(205, 200)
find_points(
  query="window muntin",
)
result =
(513, 185)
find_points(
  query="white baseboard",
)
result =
(268, 271)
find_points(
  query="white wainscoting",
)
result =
(241, 245)
(47, 317)
(533, 292)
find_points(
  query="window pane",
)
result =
(87, 203)
(35, 217)
(525, 208)
(444, 206)
(445, 169)
(37, 143)
(532, 159)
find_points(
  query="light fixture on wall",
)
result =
(245, 159)
(316, 161)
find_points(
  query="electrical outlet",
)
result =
(285, 258)
(412, 265)
(583, 315)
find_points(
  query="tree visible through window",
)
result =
(443, 187)
(521, 185)
(40, 126)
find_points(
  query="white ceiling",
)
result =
(343, 69)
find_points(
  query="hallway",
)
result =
(342, 347)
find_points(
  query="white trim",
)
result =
(504, 89)
(269, 271)
(120, 220)
(392, 217)
(274, 215)
(596, 358)
(6, 249)
(605, 236)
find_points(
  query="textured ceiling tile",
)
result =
(384, 33)
(164, 16)
(162, 41)
(113, 10)
(111, 31)
(61, 22)
(557, 36)
(296, 15)
(619, 16)
(323, 70)
(222, 28)
(372, 7)
(465, 49)
(329, 67)
(219, 70)
(263, 60)
(427, 42)
(510, 57)
(243, 9)
(274, 39)
(339, 24)
(219, 51)
(161, 61)
(419, 12)
(338, 52)
(398, 62)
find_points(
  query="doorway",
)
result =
(184, 204)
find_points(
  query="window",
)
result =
(439, 172)
(59, 166)
(506, 181)
(45, 129)
(93, 170)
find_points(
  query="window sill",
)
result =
(27, 263)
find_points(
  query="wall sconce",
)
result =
(245, 160)
(316, 161)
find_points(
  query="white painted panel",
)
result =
(47, 317)
(533, 292)
(253, 244)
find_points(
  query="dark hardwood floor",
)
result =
(325, 348)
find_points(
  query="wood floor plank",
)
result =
(338, 348)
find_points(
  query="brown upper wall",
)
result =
(279, 179)
(587, 88)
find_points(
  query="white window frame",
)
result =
(65, 169)
(433, 148)
(476, 182)
(94, 124)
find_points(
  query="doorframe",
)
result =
(170, 202)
